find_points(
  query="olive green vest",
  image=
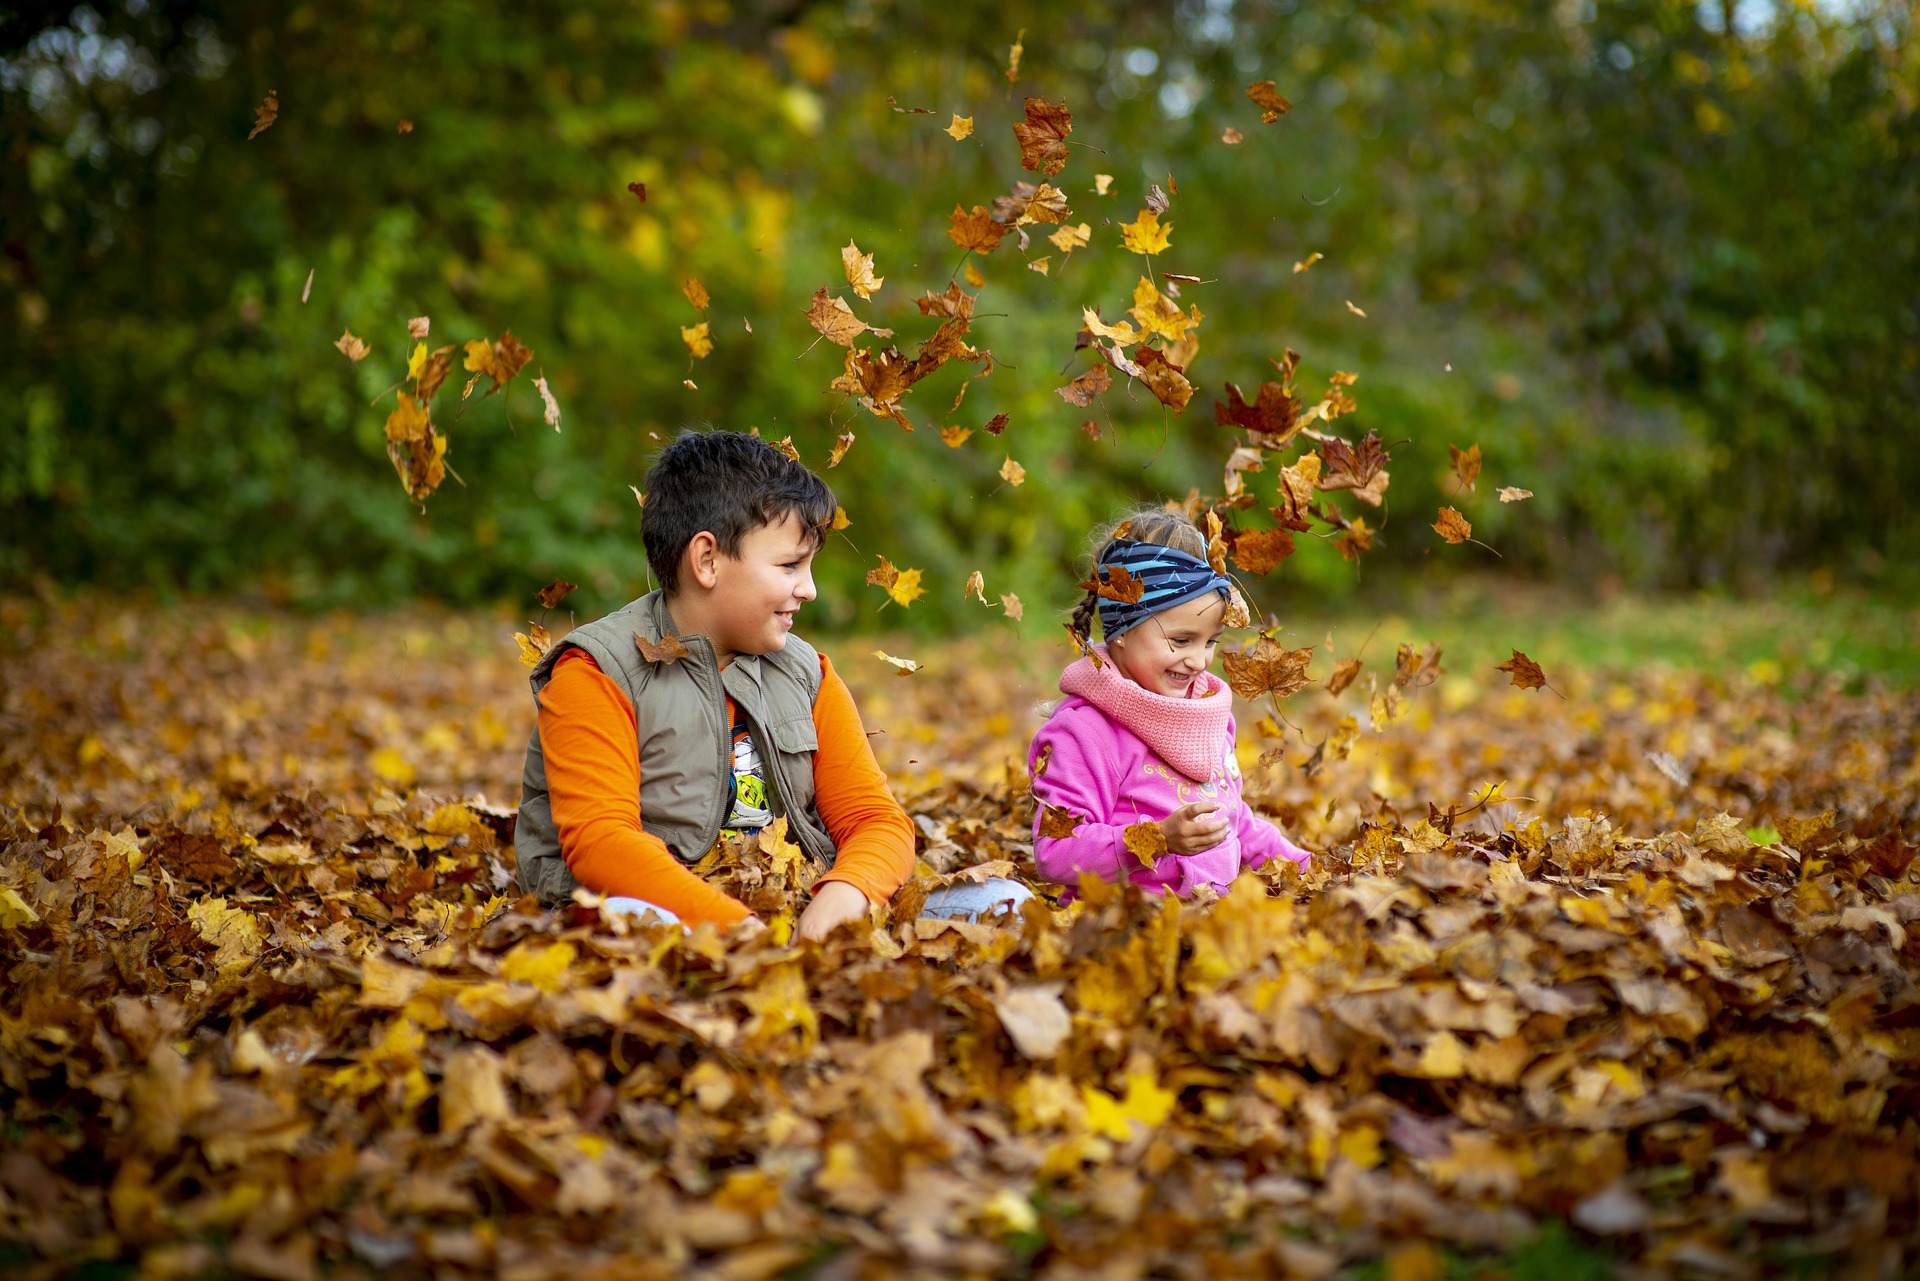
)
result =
(686, 742)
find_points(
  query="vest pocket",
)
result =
(795, 736)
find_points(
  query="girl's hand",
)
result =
(1195, 826)
(833, 903)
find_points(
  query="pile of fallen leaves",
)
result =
(1640, 961)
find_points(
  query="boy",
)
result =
(635, 766)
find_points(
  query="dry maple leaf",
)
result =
(1164, 379)
(434, 374)
(860, 270)
(669, 650)
(1082, 390)
(1508, 494)
(841, 445)
(835, 320)
(1259, 551)
(1086, 651)
(553, 593)
(1042, 265)
(697, 339)
(1525, 672)
(962, 127)
(1267, 667)
(1157, 199)
(1159, 315)
(1267, 97)
(901, 666)
(785, 445)
(1232, 137)
(696, 293)
(906, 589)
(1351, 466)
(1355, 310)
(265, 114)
(954, 302)
(840, 518)
(1011, 606)
(976, 586)
(1145, 234)
(976, 231)
(1145, 841)
(997, 424)
(499, 361)
(551, 414)
(1057, 824)
(1068, 239)
(1216, 534)
(1274, 413)
(1342, 676)
(418, 328)
(350, 347)
(1452, 526)
(1466, 464)
(1297, 484)
(1416, 669)
(1120, 584)
(1027, 203)
(534, 643)
(884, 575)
(954, 437)
(1123, 333)
(1043, 135)
(1013, 473)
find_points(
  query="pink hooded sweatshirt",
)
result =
(1115, 754)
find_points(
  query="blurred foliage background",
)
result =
(1658, 259)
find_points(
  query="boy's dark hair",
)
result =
(729, 484)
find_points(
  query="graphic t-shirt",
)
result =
(752, 808)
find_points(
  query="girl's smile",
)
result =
(1163, 654)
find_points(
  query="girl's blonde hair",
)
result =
(1165, 526)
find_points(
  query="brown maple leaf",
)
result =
(1082, 390)
(997, 424)
(1452, 526)
(1164, 379)
(836, 321)
(1043, 135)
(884, 576)
(1525, 672)
(841, 445)
(669, 650)
(1145, 841)
(1057, 824)
(1351, 466)
(1268, 667)
(955, 302)
(1259, 551)
(1012, 606)
(1267, 97)
(350, 347)
(1466, 464)
(1027, 203)
(553, 593)
(978, 231)
(696, 293)
(1296, 492)
(439, 365)
(1417, 669)
(1342, 676)
(1120, 584)
(1274, 413)
(269, 111)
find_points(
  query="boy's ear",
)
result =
(700, 562)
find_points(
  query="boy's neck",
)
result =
(691, 618)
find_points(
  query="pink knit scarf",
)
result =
(1188, 733)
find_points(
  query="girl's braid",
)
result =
(1083, 614)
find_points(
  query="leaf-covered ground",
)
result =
(271, 1006)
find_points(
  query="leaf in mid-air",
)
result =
(1145, 234)
(1043, 135)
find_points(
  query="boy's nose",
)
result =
(804, 589)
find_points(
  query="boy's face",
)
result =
(756, 594)
(1163, 654)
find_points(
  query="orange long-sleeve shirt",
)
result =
(591, 741)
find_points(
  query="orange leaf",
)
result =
(1057, 824)
(553, 593)
(1525, 672)
(1082, 390)
(1274, 413)
(697, 340)
(1343, 675)
(1268, 667)
(696, 293)
(1164, 379)
(1259, 551)
(976, 231)
(1466, 464)
(1145, 841)
(669, 650)
(1120, 584)
(1452, 526)
(840, 447)
(1266, 97)
(265, 114)
(954, 437)
(1043, 135)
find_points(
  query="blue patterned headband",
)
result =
(1170, 577)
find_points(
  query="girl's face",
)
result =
(1165, 653)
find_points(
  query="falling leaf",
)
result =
(1232, 137)
(405, 126)
(975, 231)
(976, 586)
(1087, 651)
(1452, 526)
(1352, 466)
(954, 437)
(1091, 428)
(1267, 667)
(1260, 551)
(307, 289)
(1508, 494)
(901, 666)
(1145, 235)
(962, 127)
(689, 384)
(786, 446)
(534, 643)
(1266, 97)
(1416, 669)
(1308, 261)
(697, 340)
(1082, 390)
(1011, 605)
(836, 321)
(1123, 333)
(552, 415)
(841, 445)
(905, 588)
(669, 649)
(1157, 199)
(1355, 310)
(997, 424)
(1164, 379)
(1013, 57)
(1042, 265)
(1119, 584)
(1013, 473)
(1342, 676)
(1027, 204)
(972, 276)
(1525, 672)
(908, 111)
(1274, 413)
(265, 114)
(1466, 464)
(554, 592)
(439, 365)
(1102, 183)
(1043, 135)
(696, 293)
(350, 347)
(840, 518)
(860, 270)
(954, 302)
(1068, 239)
(639, 189)
(1145, 841)
(500, 361)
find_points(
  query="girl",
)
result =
(1146, 734)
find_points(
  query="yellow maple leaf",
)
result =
(14, 910)
(697, 340)
(1013, 473)
(696, 293)
(901, 666)
(962, 127)
(233, 931)
(860, 270)
(417, 362)
(1146, 234)
(906, 588)
(954, 437)
(545, 967)
(1068, 239)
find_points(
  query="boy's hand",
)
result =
(1195, 826)
(747, 927)
(833, 903)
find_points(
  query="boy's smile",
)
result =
(746, 604)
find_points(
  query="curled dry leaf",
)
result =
(1266, 96)
(1232, 137)
(1416, 669)
(976, 587)
(350, 347)
(1082, 390)
(1013, 57)
(1042, 265)
(1351, 466)
(534, 644)
(1259, 551)
(639, 189)
(1067, 239)
(1273, 415)
(1342, 676)
(265, 114)
(901, 666)
(841, 445)
(860, 270)
(1308, 261)
(1465, 463)
(1452, 526)
(1164, 379)
(997, 424)
(418, 328)
(551, 415)
(554, 592)
(1508, 494)
(669, 649)
(1011, 606)
(954, 302)
(696, 293)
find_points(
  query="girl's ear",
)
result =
(702, 560)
